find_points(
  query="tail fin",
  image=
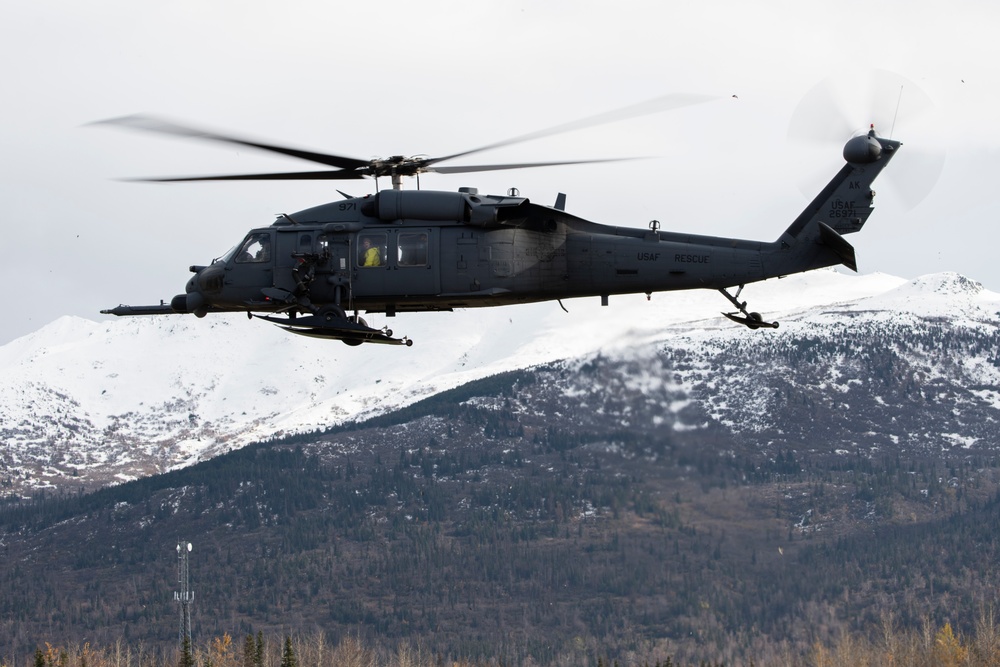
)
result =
(815, 237)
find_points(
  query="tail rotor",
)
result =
(845, 106)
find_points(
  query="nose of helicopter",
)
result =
(192, 301)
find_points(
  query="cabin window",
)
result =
(256, 249)
(371, 250)
(413, 249)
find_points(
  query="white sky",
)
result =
(367, 79)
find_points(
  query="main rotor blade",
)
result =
(656, 105)
(520, 165)
(152, 124)
(335, 175)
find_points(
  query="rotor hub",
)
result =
(863, 149)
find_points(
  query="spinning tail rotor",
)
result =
(841, 107)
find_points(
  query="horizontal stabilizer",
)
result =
(835, 242)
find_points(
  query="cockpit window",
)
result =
(256, 249)
(226, 257)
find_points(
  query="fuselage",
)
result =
(443, 250)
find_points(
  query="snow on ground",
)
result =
(180, 388)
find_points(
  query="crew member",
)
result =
(371, 256)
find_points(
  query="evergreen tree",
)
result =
(249, 651)
(187, 658)
(258, 658)
(288, 655)
(39, 658)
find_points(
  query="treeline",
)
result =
(497, 544)
(532, 520)
(882, 644)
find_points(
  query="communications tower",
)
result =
(185, 596)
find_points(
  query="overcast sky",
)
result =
(367, 79)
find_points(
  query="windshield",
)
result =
(226, 257)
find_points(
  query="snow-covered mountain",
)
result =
(90, 403)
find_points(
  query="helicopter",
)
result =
(397, 251)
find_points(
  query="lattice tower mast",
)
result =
(185, 596)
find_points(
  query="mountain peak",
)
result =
(948, 283)
(947, 295)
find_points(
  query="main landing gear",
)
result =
(742, 316)
(333, 322)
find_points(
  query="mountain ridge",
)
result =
(133, 397)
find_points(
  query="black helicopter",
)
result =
(314, 272)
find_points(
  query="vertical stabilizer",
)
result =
(815, 238)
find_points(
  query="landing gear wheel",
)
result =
(331, 313)
(357, 319)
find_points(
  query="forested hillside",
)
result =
(716, 502)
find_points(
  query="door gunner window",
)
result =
(371, 250)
